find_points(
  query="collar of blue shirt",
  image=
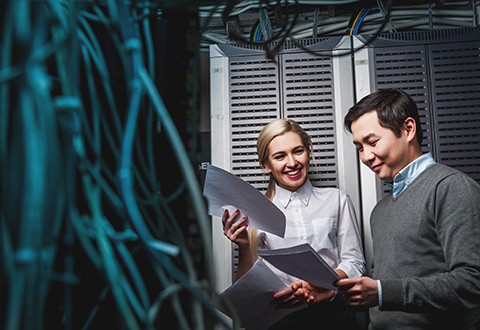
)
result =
(406, 176)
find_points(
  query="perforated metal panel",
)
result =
(441, 70)
(456, 104)
(296, 84)
(308, 98)
(254, 102)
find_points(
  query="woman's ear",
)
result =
(410, 127)
(267, 167)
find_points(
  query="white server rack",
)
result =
(310, 81)
(441, 70)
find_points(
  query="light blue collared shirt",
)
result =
(401, 181)
(410, 172)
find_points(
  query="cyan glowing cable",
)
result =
(93, 312)
(110, 267)
(148, 42)
(5, 105)
(85, 241)
(125, 168)
(91, 132)
(135, 273)
(154, 310)
(139, 178)
(131, 297)
(183, 160)
(92, 45)
(39, 218)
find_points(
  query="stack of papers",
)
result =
(304, 262)
(251, 296)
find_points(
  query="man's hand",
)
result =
(359, 291)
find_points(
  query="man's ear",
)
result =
(410, 127)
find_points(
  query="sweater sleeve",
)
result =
(456, 211)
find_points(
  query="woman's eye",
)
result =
(299, 151)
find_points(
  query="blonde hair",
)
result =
(270, 131)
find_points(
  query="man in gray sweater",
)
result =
(425, 233)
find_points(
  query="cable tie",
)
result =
(126, 235)
(67, 102)
(164, 247)
(26, 256)
(124, 174)
(132, 44)
(68, 107)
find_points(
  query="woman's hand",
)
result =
(310, 293)
(236, 229)
(286, 299)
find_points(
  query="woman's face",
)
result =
(288, 161)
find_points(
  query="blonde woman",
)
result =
(323, 217)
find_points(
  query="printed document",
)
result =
(224, 190)
(251, 296)
(304, 262)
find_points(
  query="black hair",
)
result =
(393, 106)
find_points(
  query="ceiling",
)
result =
(266, 21)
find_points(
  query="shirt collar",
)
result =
(303, 193)
(403, 179)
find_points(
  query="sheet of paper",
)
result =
(224, 190)
(251, 296)
(304, 262)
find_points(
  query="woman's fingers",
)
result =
(225, 217)
(234, 228)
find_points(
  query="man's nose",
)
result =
(367, 155)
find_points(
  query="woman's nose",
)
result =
(291, 161)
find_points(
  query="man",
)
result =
(425, 233)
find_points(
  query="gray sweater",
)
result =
(426, 245)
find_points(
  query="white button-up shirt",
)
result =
(324, 218)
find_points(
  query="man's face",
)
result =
(379, 148)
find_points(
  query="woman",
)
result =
(323, 217)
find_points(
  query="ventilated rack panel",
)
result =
(456, 104)
(254, 102)
(308, 98)
(441, 70)
(296, 84)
